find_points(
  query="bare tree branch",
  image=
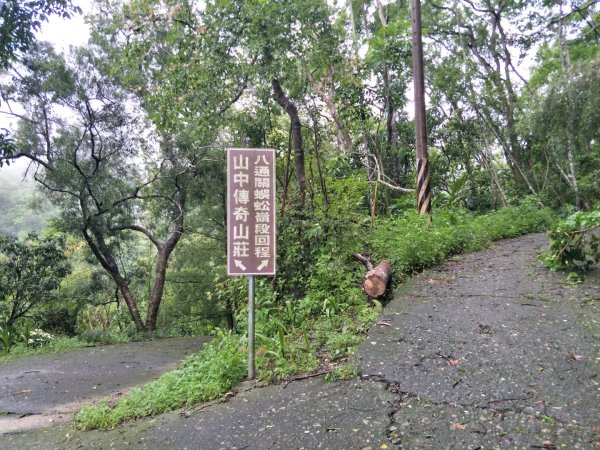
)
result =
(157, 242)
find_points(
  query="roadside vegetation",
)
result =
(319, 332)
(125, 140)
(575, 244)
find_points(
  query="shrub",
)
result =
(39, 338)
(412, 244)
(575, 243)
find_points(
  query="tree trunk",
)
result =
(229, 315)
(326, 93)
(377, 278)
(158, 287)
(566, 66)
(160, 270)
(387, 87)
(107, 261)
(290, 108)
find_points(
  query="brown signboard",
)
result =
(251, 248)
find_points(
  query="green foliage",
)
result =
(23, 211)
(38, 338)
(202, 377)
(30, 272)
(575, 243)
(20, 20)
(412, 244)
(192, 304)
(343, 372)
(58, 344)
(7, 339)
(103, 337)
(563, 128)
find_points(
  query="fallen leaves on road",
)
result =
(23, 391)
(453, 362)
(458, 426)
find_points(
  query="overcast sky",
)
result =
(65, 32)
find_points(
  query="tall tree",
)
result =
(97, 162)
(476, 31)
(562, 102)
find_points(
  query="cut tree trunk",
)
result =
(377, 278)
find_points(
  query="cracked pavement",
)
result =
(488, 351)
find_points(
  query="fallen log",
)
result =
(377, 278)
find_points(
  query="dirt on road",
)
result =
(488, 351)
(45, 389)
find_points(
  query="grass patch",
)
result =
(413, 245)
(202, 377)
(57, 345)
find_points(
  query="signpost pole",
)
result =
(251, 364)
(251, 239)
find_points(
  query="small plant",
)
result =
(546, 419)
(39, 338)
(343, 372)
(574, 278)
(7, 339)
(26, 332)
(99, 336)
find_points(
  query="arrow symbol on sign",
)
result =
(239, 264)
(263, 264)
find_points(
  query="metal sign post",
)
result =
(251, 364)
(251, 245)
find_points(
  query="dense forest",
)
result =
(126, 136)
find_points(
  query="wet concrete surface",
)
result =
(48, 387)
(492, 351)
(488, 351)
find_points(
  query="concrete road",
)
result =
(48, 388)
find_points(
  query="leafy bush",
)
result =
(103, 336)
(60, 320)
(575, 242)
(39, 338)
(56, 345)
(31, 271)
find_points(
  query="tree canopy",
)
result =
(126, 133)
